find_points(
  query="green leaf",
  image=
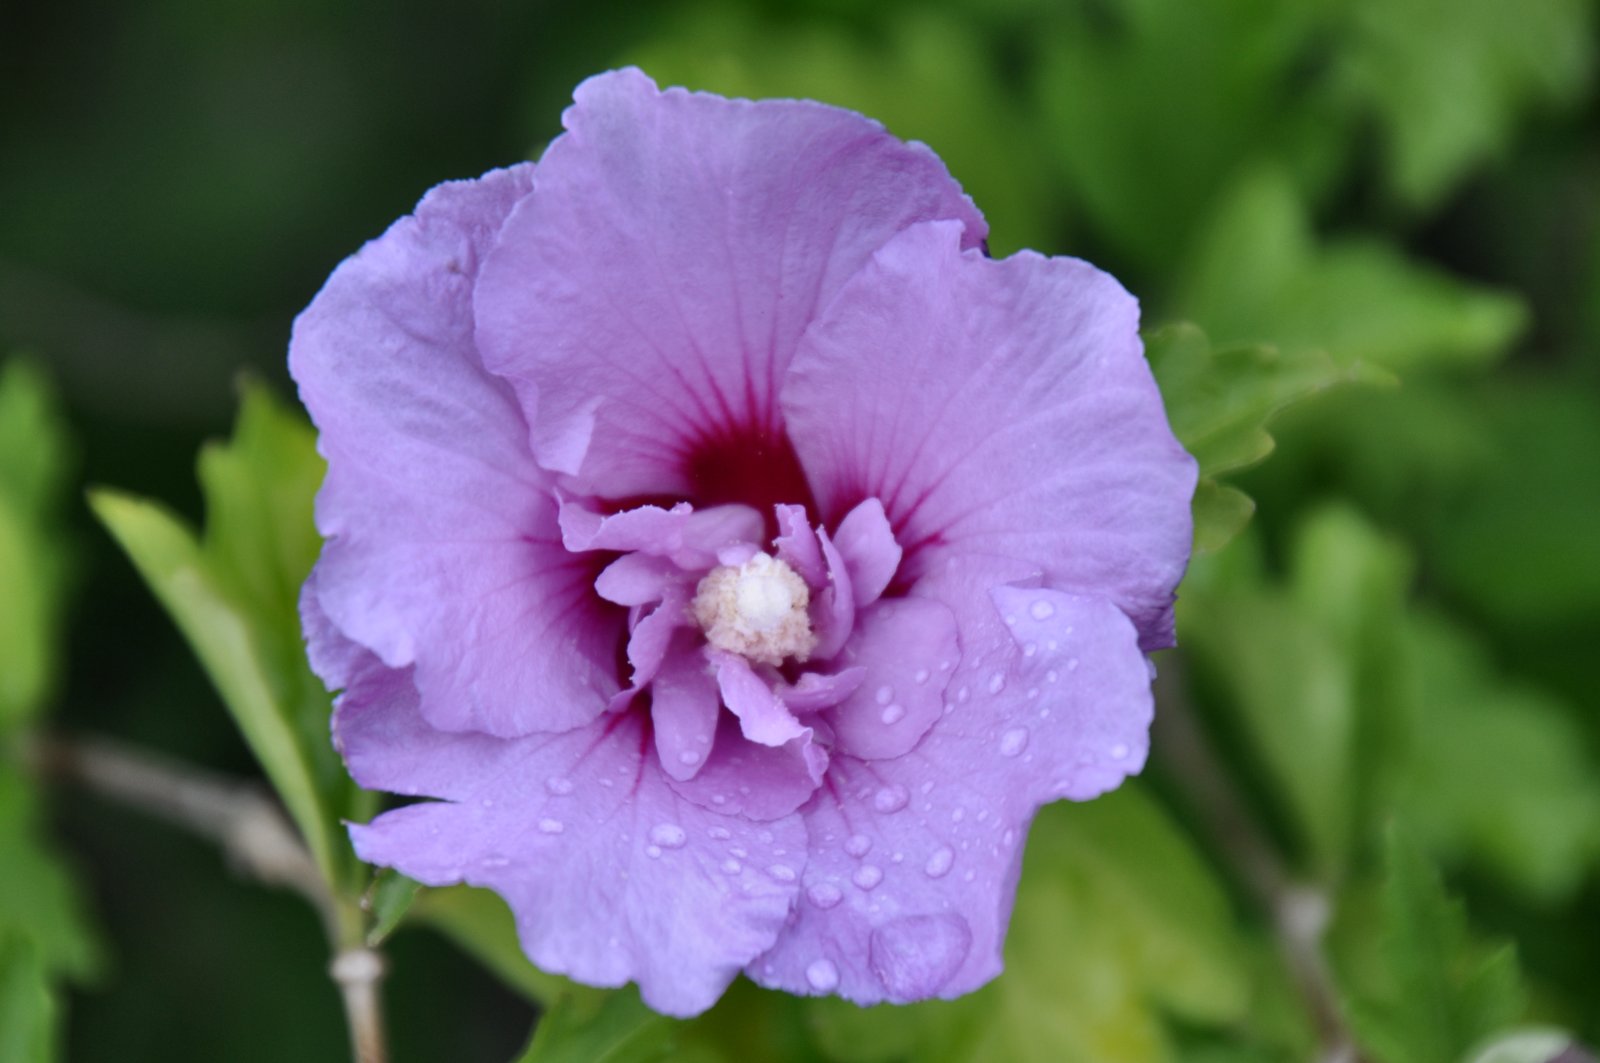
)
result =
(1437, 995)
(34, 465)
(1449, 79)
(479, 922)
(388, 900)
(1151, 107)
(233, 595)
(616, 1027)
(1219, 403)
(1118, 922)
(39, 901)
(1258, 275)
(1464, 727)
(28, 1010)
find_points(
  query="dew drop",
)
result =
(890, 799)
(884, 695)
(1072, 664)
(689, 757)
(559, 786)
(963, 694)
(1119, 751)
(822, 975)
(552, 826)
(938, 864)
(857, 845)
(892, 714)
(958, 815)
(488, 802)
(1013, 742)
(914, 956)
(927, 787)
(997, 683)
(867, 876)
(1051, 676)
(653, 852)
(781, 872)
(668, 835)
(921, 676)
(1030, 649)
(731, 866)
(824, 895)
(719, 834)
(496, 860)
(1041, 609)
(1008, 837)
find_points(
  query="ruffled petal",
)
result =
(649, 297)
(613, 877)
(689, 538)
(762, 717)
(685, 706)
(441, 545)
(814, 691)
(1006, 410)
(914, 860)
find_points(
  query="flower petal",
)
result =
(689, 538)
(650, 295)
(762, 717)
(613, 877)
(440, 532)
(866, 542)
(814, 690)
(914, 860)
(745, 778)
(685, 707)
(1006, 410)
(908, 648)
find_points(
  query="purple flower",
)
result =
(737, 553)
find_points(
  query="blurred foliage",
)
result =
(1389, 621)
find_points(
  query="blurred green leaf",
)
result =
(233, 595)
(479, 922)
(388, 900)
(1449, 79)
(1151, 108)
(28, 1016)
(1219, 403)
(1491, 770)
(34, 464)
(615, 1028)
(38, 899)
(1118, 922)
(1438, 995)
(923, 74)
(1258, 275)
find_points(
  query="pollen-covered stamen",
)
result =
(757, 610)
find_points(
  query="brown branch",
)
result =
(1299, 911)
(253, 831)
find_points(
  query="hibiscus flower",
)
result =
(735, 553)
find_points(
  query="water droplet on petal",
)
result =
(867, 876)
(1013, 741)
(914, 956)
(719, 834)
(668, 835)
(731, 866)
(958, 815)
(1051, 676)
(1072, 664)
(689, 757)
(857, 845)
(890, 799)
(892, 714)
(822, 975)
(496, 860)
(558, 785)
(997, 683)
(824, 895)
(938, 864)
(1030, 649)
(1041, 609)
(653, 852)
(884, 695)
(1119, 751)
(781, 872)
(921, 676)
(552, 826)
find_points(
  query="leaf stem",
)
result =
(252, 829)
(1299, 911)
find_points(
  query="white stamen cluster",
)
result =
(757, 610)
